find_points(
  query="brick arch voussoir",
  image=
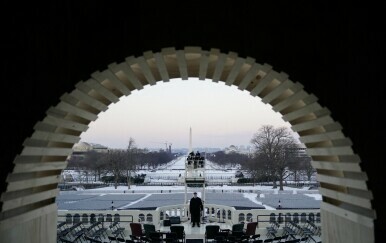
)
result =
(32, 186)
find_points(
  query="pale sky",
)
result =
(219, 116)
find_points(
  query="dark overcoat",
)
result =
(195, 205)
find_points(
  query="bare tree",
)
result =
(307, 167)
(142, 160)
(93, 162)
(75, 162)
(300, 165)
(229, 159)
(260, 169)
(131, 160)
(115, 160)
(254, 167)
(273, 149)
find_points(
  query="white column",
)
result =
(190, 140)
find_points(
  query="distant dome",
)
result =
(233, 147)
(82, 147)
(98, 146)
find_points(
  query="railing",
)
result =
(208, 190)
(213, 213)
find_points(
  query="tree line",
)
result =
(276, 155)
(119, 164)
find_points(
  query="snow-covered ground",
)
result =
(170, 172)
(173, 171)
(259, 196)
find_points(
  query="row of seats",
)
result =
(236, 234)
(96, 232)
(292, 232)
(149, 233)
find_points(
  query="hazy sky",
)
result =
(219, 116)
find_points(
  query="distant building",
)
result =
(80, 149)
(99, 148)
(299, 152)
(231, 149)
(241, 149)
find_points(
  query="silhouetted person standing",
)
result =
(195, 208)
(197, 156)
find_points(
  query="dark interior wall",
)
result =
(336, 52)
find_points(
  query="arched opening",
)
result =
(31, 192)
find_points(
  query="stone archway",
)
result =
(29, 202)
